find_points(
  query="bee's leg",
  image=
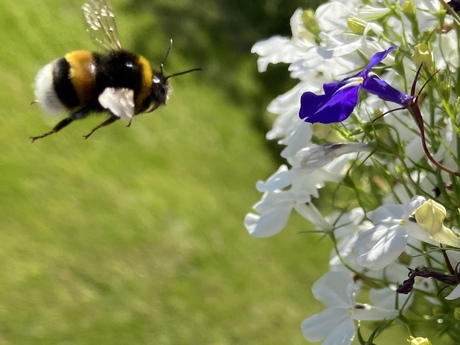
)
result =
(107, 122)
(64, 123)
(79, 114)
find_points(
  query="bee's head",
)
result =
(160, 89)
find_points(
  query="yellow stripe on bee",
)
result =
(82, 73)
(147, 80)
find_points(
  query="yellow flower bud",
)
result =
(422, 54)
(408, 8)
(457, 313)
(356, 25)
(419, 341)
(309, 22)
(327, 132)
(430, 217)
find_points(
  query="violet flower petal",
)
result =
(326, 108)
(376, 59)
(382, 89)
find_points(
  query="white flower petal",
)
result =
(332, 17)
(320, 325)
(297, 25)
(380, 246)
(342, 334)
(387, 214)
(454, 294)
(414, 204)
(333, 289)
(385, 298)
(269, 223)
(279, 180)
(311, 213)
(272, 200)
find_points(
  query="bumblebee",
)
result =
(117, 82)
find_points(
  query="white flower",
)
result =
(304, 182)
(332, 16)
(282, 49)
(348, 33)
(282, 178)
(454, 294)
(387, 298)
(336, 324)
(287, 107)
(311, 168)
(445, 51)
(295, 140)
(426, 11)
(317, 157)
(346, 229)
(275, 209)
(381, 245)
(446, 153)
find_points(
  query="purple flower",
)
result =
(340, 98)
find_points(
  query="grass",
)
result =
(135, 236)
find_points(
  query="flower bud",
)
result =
(457, 313)
(419, 341)
(430, 217)
(309, 21)
(408, 9)
(327, 132)
(356, 25)
(445, 90)
(423, 55)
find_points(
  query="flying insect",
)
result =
(120, 83)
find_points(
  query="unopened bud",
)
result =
(422, 55)
(419, 341)
(309, 21)
(408, 8)
(457, 313)
(356, 25)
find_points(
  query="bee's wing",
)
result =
(101, 25)
(120, 102)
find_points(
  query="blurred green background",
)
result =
(136, 235)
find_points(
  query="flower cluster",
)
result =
(373, 122)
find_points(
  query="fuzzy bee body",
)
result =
(117, 82)
(80, 77)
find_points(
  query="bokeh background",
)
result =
(136, 235)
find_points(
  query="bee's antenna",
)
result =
(175, 74)
(184, 72)
(166, 55)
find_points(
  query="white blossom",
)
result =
(335, 324)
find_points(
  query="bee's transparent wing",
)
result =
(120, 102)
(101, 25)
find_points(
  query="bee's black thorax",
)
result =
(118, 69)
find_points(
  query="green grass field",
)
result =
(136, 235)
